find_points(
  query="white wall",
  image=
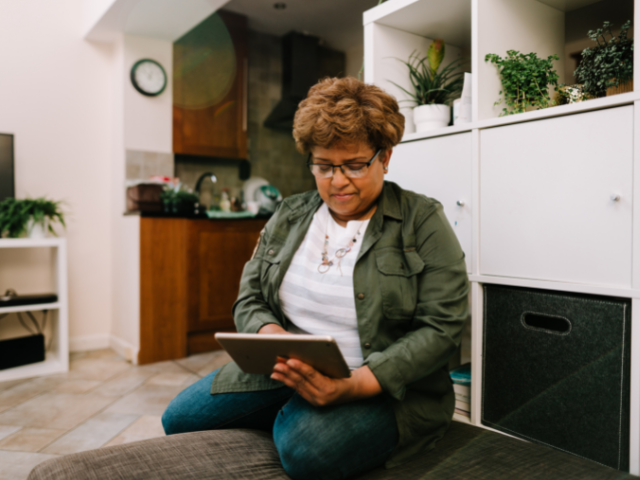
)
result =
(148, 120)
(139, 123)
(56, 97)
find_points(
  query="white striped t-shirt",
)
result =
(323, 303)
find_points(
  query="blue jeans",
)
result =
(333, 442)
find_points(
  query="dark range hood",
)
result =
(304, 62)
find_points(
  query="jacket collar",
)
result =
(390, 201)
(388, 205)
(301, 205)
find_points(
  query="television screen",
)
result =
(7, 186)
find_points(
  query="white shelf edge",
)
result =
(461, 418)
(552, 112)
(50, 366)
(437, 132)
(561, 110)
(31, 242)
(30, 308)
(557, 285)
(387, 8)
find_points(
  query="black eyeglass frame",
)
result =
(333, 167)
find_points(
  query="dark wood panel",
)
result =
(199, 342)
(189, 277)
(219, 130)
(163, 289)
(223, 248)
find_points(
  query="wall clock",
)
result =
(148, 77)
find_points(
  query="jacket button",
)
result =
(402, 266)
(361, 296)
(367, 345)
(271, 252)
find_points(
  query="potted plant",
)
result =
(525, 80)
(433, 90)
(607, 68)
(29, 217)
(175, 200)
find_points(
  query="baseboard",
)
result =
(89, 342)
(124, 348)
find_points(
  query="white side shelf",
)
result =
(30, 308)
(395, 29)
(57, 357)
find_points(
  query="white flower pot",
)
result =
(429, 117)
(37, 230)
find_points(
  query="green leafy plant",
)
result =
(609, 63)
(525, 80)
(15, 215)
(430, 86)
(176, 200)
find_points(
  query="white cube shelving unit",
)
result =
(57, 355)
(547, 199)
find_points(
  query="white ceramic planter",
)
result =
(429, 117)
(37, 230)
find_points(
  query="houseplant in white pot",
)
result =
(433, 88)
(31, 217)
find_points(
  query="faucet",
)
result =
(214, 179)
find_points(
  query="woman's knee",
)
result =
(171, 418)
(303, 456)
(300, 461)
(181, 415)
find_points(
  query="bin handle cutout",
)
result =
(544, 322)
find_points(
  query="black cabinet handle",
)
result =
(546, 323)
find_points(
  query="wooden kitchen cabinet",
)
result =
(189, 278)
(210, 88)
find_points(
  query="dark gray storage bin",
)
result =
(556, 370)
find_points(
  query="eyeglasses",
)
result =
(351, 170)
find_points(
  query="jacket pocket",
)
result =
(398, 281)
(270, 269)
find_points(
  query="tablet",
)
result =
(257, 353)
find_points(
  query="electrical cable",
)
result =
(34, 321)
(44, 319)
(45, 315)
(25, 325)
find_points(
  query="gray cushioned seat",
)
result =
(466, 452)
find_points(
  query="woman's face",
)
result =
(350, 198)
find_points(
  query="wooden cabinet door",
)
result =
(210, 88)
(546, 207)
(219, 251)
(439, 168)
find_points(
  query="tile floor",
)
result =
(103, 400)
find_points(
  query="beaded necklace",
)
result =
(340, 253)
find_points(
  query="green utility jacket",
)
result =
(410, 287)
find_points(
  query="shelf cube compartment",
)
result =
(556, 370)
(543, 27)
(395, 30)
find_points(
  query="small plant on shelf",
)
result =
(23, 217)
(608, 64)
(525, 80)
(432, 87)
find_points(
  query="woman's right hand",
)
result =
(272, 328)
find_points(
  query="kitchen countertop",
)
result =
(193, 216)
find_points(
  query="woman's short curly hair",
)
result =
(344, 111)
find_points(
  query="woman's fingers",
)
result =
(305, 370)
(291, 377)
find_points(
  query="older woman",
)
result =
(378, 268)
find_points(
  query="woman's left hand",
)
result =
(320, 390)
